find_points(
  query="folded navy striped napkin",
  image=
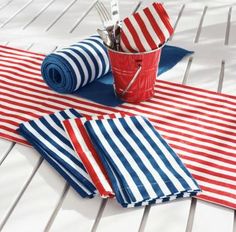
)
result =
(48, 137)
(142, 167)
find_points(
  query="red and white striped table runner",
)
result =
(200, 125)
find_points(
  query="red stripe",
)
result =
(84, 159)
(13, 138)
(159, 111)
(20, 58)
(164, 16)
(212, 173)
(198, 131)
(215, 95)
(19, 69)
(201, 146)
(126, 42)
(145, 32)
(215, 182)
(154, 24)
(196, 138)
(207, 163)
(180, 100)
(217, 201)
(21, 50)
(192, 111)
(134, 34)
(201, 154)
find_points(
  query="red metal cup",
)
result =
(134, 74)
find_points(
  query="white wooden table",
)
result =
(33, 197)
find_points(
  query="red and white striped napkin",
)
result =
(146, 29)
(85, 150)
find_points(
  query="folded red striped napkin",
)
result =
(85, 150)
(146, 29)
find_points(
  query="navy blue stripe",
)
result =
(60, 160)
(149, 156)
(78, 65)
(33, 140)
(108, 164)
(86, 63)
(93, 58)
(135, 155)
(161, 155)
(98, 57)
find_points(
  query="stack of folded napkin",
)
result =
(115, 155)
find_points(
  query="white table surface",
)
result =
(33, 197)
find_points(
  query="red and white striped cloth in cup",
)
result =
(84, 148)
(146, 30)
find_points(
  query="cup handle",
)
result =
(132, 80)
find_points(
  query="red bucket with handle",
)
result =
(134, 74)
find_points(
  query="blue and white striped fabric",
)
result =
(142, 167)
(69, 69)
(48, 137)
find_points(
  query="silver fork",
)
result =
(104, 15)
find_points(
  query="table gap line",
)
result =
(5, 5)
(221, 77)
(186, 73)
(60, 15)
(57, 208)
(144, 218)
(99, 214)
(83, 16)
(199, 29)
(137, 6)
(16, 13)
(227, 32)
(177, 20)
(38, 14)
(191, 214)
(13, 206)
(234, 223)
(6, 153)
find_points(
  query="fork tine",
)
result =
(105, 11)
(100, 14)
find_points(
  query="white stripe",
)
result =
(8, 60)
(140, 173)
(199, 149)
(129, 36)
(55, 149)
(159, 22)
(74, 66)
(195, 101)
(149, 28)
(117, 161)
(88, 58)
(82, 64)
(184, 106)
(176, 111)
(140, 33)
(105, 55)
(142, 156)
(24, 73)
(15, 66)
(167, 154)
(92, 161)
(95, 55)
(203, 95)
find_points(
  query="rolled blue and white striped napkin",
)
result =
(69, 69)
(48, 137)
(142, 167)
